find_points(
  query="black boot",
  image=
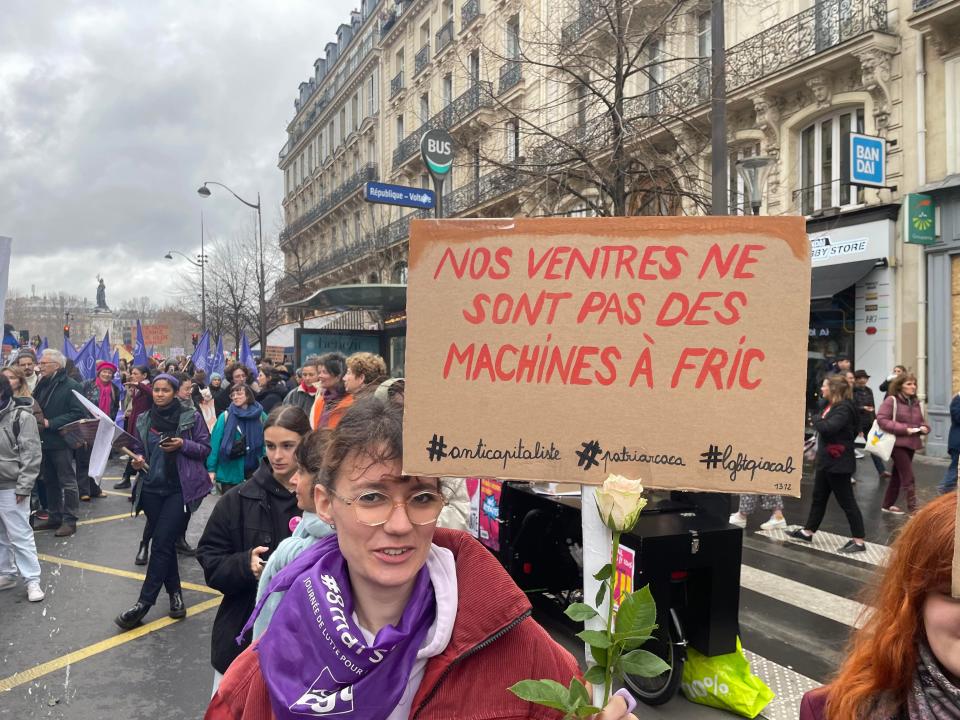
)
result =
(122, 485)
(131, 617)
(177, 608)
(184, 548)
(143, 554)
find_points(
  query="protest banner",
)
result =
(567, 349)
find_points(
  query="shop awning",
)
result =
(385, 298)
(829, 280)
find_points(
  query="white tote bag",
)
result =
(879, 441)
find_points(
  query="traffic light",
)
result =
(195, 337)
(66, 331)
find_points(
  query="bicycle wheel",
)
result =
(669, 644)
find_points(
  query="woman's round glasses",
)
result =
(373, 508)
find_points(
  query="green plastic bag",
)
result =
(725, 682)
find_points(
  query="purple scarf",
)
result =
(313, 656)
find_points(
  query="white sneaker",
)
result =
(739, 520)
(773, 523)
(34, 592)
(859, 455)
(8, 582)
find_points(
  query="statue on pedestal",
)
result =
(102, 295)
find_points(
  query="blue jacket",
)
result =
(953, 441)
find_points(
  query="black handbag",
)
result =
(238, 449)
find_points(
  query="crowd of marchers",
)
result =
(314, 526)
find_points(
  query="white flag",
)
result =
(107, 434)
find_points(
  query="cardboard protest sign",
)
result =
(567, 349)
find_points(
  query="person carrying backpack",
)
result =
(20, 459)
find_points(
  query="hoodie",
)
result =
(309, 531)
(20, 455)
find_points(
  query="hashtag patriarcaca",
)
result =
(587, 455)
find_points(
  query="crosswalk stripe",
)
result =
(876, 553)
(834, 607)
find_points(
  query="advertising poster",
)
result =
(490, 513)
(623, 574)
(585, 347)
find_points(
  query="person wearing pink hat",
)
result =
(105, 394)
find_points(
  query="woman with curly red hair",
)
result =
(905, 660)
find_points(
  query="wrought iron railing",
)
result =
(510, 75)
(469, 12)
(422, 59)
(588, 13)
(444, 35)
(484, 189)
(367, 173)
(396, 85)
(919, 5)
(477, 96)
(354, 249)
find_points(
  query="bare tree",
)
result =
(601, 129)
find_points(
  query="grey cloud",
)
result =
(111, 115)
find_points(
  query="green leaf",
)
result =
(549, 693)
(629, 641)
(580, 612)
(586, 711)
(637, 614)
(595, 675)
(642, 664)
(578, 694)
(601, 594)
(595, 638)
(604, 573)
(599, 656)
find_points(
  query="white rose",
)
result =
(620, 501)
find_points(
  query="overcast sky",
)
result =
(113, 113)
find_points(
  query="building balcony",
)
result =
(396, 85)
(469, 12)
(482, 190)
(367, 173)
(510, 76)
(444, 36)
(573, 30)
(784, 46)
(940, 21)
(422, 59)
(477, 97)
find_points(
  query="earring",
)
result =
(332, 526)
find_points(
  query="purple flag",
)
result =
(140, 350)
(69, 351)
(217, 363)
(86, 359)
(199, 358)
(246, 356)
(103, 352)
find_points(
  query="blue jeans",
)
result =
(949, 481)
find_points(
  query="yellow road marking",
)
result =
(38, 671)
(119, 573)
(106, 518)
(115, 493)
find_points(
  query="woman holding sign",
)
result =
(390, 617)
(838, 426)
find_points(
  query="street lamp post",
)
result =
(204, 191)
(754, 172)
(201, 263)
